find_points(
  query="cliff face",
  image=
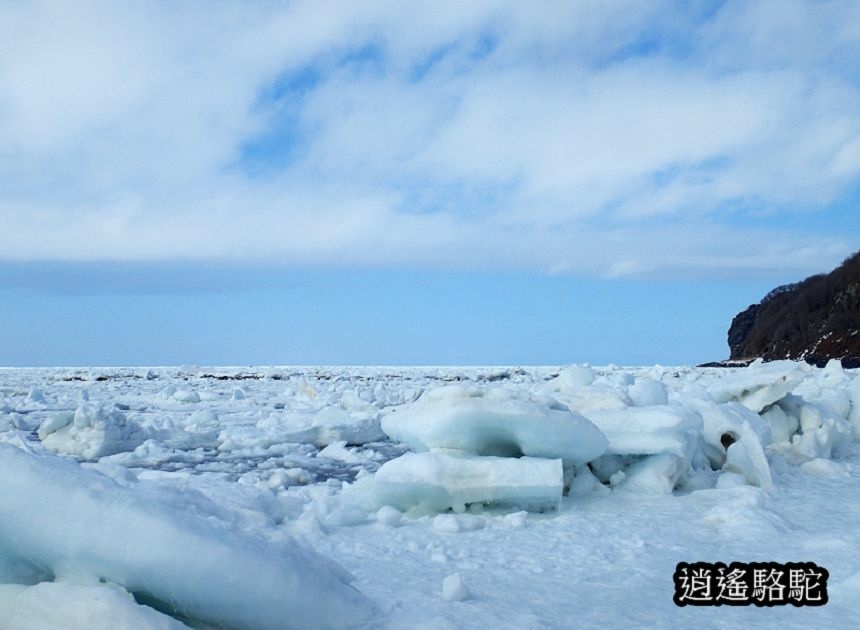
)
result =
(815, 320)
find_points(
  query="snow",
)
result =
(63, 606)
(157, 511)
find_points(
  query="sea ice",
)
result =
(335, 424)
(646, 392)
(649, 430)
(734, 439)
(91, 432)
(760, 384)
(61, 519)
(495, 422)
(571, 379)
(443, 479)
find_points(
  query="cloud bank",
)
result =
(607, 138)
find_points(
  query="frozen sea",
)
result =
(513, 497)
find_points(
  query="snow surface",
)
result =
(536, 498)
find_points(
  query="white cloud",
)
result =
(610, 138)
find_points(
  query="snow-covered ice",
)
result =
(383, 497)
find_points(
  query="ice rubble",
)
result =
(483, 446)
(760, 384)
(646, 441)
(91, 432)
(336, 424)
(78, 525)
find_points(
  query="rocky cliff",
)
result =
(815, 320)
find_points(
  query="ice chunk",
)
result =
(655, 474)
(335, 424)
(597, 397)
(456, 523)
(782, 426)
(64, 606)
(821, 432)
(35, 395)
(649, 430)
(453, 588)
(832, 374)
(823, 467)
(571, 379)
(443, 479)
(759, 385)
(836, 400)
(854, 413)
(646, 392)
(339, 452)
(735, 439)
(186, 396)
(584, 482)
(730, 480)
(69, 521)
(744, 459)
(91, 432)
(495, 422)
(517, 520)
(388, 516)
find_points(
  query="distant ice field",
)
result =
(419, 497)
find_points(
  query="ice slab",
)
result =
(760, 384)
(443, 479)
(497, 422)
(649, 430)
(62, 519)
(336, 424)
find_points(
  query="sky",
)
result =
(397, 182)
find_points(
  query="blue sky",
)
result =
(397, 182)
